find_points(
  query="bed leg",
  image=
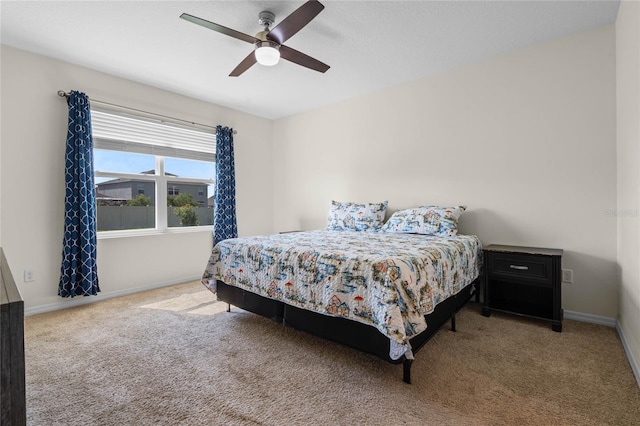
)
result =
(406, 371)
(453, 321)
(228, 307)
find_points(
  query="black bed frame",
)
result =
(351, 333)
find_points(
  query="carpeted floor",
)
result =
(174, 356)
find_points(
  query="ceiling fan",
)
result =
(268, 44)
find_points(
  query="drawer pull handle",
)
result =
(519, 268)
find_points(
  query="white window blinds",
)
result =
(120, 132)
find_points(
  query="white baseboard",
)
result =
(78, 301)
(590, 318)
(635, 367)
(609, 322)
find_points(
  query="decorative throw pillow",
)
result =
(356, 217)
(427, 220)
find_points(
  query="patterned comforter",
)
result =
(387, 280)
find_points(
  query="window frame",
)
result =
(161, 189)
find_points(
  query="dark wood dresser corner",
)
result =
(12, 370)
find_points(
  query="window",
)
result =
(173, 190)
(151, 175)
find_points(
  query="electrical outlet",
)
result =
(29, 275)
(567, 276)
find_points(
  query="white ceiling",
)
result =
(369, 45)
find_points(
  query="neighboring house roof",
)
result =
(148, 172)
(153, 172)
(101, 196)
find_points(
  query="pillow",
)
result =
(356, 217)
(427, 220)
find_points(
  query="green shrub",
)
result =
(140, 200)
(180, 200)
(187, 215)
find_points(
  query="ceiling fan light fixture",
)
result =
(268, 45)
(267, 53)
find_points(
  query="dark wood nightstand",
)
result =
(524, 281)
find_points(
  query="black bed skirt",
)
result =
(351, 333)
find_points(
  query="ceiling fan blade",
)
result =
(244, 65)
(301, 59)
(294, 22)
(219, 28)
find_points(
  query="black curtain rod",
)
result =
(64, 94)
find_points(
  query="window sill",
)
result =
(106, 235)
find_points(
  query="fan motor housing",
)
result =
(262, 35)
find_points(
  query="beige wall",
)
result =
(34, 121)
(628, 133)
(527, 141)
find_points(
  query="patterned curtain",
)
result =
(79, 273)
(224, 208)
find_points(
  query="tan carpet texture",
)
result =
(174, 356)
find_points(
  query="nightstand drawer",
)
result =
(521, 267)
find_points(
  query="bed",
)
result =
(384, 293)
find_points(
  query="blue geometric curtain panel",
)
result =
(79, 272)
(224, 208)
